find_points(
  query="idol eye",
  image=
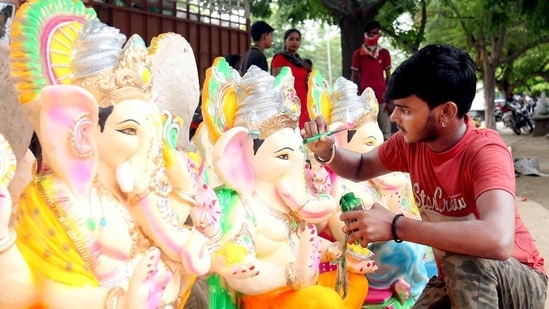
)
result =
(283, 156)
(128, 131)
(369, 143)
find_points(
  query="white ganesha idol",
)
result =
(401, 273)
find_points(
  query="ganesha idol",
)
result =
(401, 274)
(101, 224)
(270, 251)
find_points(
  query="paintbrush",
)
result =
(318, 136)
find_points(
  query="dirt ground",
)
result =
(530, 187)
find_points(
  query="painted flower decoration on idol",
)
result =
(219, 101)
(41, 60)
(171, 127)
(318, 96)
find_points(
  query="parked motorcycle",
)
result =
(515, 115)
(498, 112)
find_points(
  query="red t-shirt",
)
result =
(300, 83)
(372, 71)
(446, 185)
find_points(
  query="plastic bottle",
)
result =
(349, 201)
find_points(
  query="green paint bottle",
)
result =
(349, 202)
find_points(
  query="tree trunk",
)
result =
(489, 65)
(352, 16)
(489, 94)
(352, 36)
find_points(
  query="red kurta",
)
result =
(371, 71)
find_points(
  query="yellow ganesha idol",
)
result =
(270, 250)
(101, 224)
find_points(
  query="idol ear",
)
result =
(68, 117)
(231, 159)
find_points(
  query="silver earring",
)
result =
(444, 124)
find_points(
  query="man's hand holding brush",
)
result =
(317, 138)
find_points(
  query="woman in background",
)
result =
(289, 57)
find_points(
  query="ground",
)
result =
(530, 187)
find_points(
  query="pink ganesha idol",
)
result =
(270, 250)
(101, 224)
(401, 273)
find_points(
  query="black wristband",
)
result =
(394, 228)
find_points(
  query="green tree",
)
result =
(529, 73)
(496, 32)
(505, 37)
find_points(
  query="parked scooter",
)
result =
(514, 115)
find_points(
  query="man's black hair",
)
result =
(371, 25)
(436, 74)
(259, 28)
